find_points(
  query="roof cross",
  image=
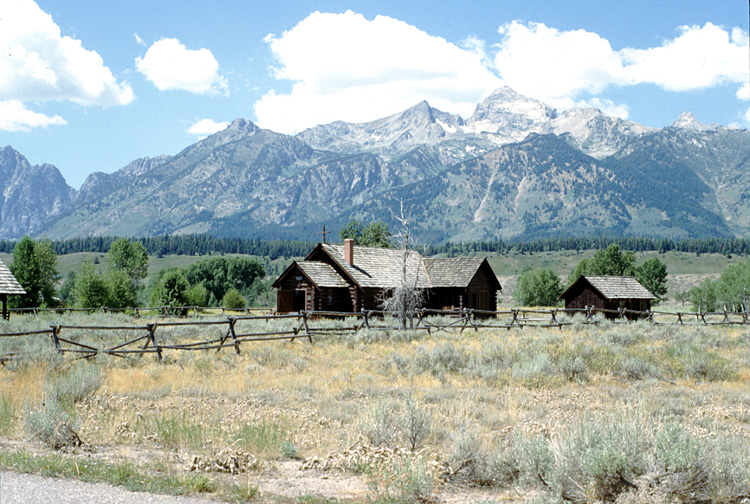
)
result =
(324, 233)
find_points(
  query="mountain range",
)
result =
(515, 169)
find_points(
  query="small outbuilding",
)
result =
(9, 286)
(348, 278)
(608, 293)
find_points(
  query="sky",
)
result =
(91, 85)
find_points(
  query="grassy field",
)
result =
(614, 413)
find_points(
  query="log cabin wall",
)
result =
(583, 296)
(481, 294)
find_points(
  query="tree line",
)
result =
(205, 244)
(192, 244)
(726, 246)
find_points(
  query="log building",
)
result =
(348, 278)
(608, 293)
(9, 286)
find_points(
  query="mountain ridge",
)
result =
(248, 180)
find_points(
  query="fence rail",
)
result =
(155, 338)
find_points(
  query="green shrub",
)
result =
(405, 480)
(289, 450)
(75, 384)
(416, 423)
(52, 425)
(380, 425)
(233, 300)
(197, 295)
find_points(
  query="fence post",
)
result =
(307, 328)
(515, 317)
(472, 321)
(55, 329)
(232, 320)
(152, 338)
(465, 317)
(554, 319)
(365, 316)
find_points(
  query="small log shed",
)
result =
(9, 286)
(349, 278)
(608, 293)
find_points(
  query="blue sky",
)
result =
(90, 85)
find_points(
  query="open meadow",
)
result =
(612, 412)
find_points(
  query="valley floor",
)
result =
(389, 416)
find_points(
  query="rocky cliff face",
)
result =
(29, 195)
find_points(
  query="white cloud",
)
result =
(139, 40)
(206, 127)
(700, 57)
(37, 63)
(168, 64)
(14, 116)
(551, 65)
(743, 93)
(344, 66)
(558, 66)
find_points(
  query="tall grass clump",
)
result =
(7, 412)
(263, 438)
(178, 430)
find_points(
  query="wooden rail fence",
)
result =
(155, 338)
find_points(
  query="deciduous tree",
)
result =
(538, 287)
(35, 267)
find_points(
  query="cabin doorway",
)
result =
(298, 303)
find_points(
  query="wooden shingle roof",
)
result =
(8, 283)
(381, 267)
(614, 287)
(452, 272)
(321, 274)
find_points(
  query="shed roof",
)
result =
(322, 274)
(8, 283)
(380, 267)
(453, 271)
(614, 287)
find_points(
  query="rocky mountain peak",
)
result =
(595, 133)
(687, 120)
(512, 115)
(29, 195)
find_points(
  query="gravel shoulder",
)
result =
(25, 488)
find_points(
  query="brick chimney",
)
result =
(349, 251)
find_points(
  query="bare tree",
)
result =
(406, 298)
